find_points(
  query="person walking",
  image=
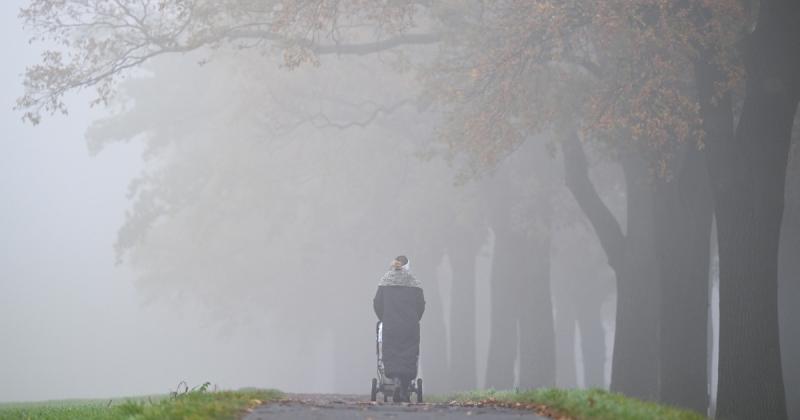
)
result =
(399, 304)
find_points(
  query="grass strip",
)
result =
(582, 404)
(191, 405)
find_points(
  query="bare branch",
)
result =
(322, 120)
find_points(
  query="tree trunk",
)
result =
(635, 367)
(537, 358)
(683, 223)
(522, 325)
(593, 341)
(508, 250)
(789, 310)
(503, 342)
(580, 287)
(789, 280)
(632, 256)
(462, 250)
(566, 323)
(748, 175)
(750, 378)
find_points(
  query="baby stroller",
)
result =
(391, 386)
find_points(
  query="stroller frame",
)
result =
(386, 385)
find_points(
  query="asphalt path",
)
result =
(335, 407)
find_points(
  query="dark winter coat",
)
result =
(400, 308)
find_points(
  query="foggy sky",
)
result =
(72, 324)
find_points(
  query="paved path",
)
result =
(335, 407)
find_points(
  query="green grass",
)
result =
(198, 404)
(591, 404)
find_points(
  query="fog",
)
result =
(312, 218)
(226, 215)
(73, 324)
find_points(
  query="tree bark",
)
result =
(789, 280)
(632, 256)
(635, 369)
(683, 222)
(748, 174)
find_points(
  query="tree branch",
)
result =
(343, 49)
(322, 120)
(576, 170)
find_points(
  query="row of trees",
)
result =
(222, 200)
(695, 99)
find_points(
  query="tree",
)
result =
(748, 172)
(683, 236)
(104, 41)
(583, 284)
(466, 235)
(520, 70)
(646, 95)
(632, 257)
(788, 275)
(520, 197)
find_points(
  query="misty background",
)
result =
(77, 325)
(73, 324)
(225, 218)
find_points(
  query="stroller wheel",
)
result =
(419, 390)
(374, 395)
